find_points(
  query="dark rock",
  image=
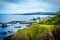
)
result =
(3, 33)
(27, 25)
(4, 25)
(8, 38)
(18, 27)
(10, 32)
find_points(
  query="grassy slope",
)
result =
(35, 32)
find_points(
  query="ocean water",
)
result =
(7, 17)
(11, 27)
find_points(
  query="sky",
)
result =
(28, 6)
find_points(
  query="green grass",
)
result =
(35, 31)
(38, 32)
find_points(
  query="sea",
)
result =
(12, 28)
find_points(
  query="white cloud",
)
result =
(27, 7)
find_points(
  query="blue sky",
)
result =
(29, 6)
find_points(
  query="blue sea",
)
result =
(11, 27)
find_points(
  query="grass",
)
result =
(35, 31)
(38, 32)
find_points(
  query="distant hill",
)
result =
(40, 13)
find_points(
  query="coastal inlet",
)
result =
(9, 28)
